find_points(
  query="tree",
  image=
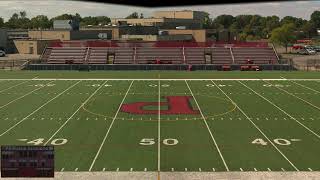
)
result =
(41, 22)
(225, 20)
(1, 22)
(18, 21)
(315, 19)
(98, 20)
(134, 15)
(284, 35)
(141, 16)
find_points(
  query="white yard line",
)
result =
(159, 117)
(34, 111)
(23, 96)
(248, 118)
(317, 135)
(62, 126)
(204, 120)
(151, 79)
(13, 86)
(297, 97)
(113, 120)
(306, 87)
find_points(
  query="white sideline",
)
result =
(257, 127)
(29, 114)
(157, 79)
(204, 120)
(75, 112)
(105, 137)
(281, 110)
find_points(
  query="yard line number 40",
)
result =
(151, 141)
(39, 141)
(279, 141)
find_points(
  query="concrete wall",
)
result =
(34, 47)
(62, 35)
(199, 15)
(142, 22)
(3, 38)
(140, 37)
(89, 34)
(198, 35)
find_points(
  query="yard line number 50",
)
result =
(151, 141)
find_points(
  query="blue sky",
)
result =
(53, 8)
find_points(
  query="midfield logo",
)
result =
(175, 105)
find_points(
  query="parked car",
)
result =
(307, 51)
(2, 53)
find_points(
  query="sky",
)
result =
(51, 8)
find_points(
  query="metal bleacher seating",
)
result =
(258, 55)
(194, 55)
(164, 55)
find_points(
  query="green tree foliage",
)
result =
(17, 21)
(224, 20)
(134, 15)
(1, 22)
(284, 35)
(98, 20)
(40, 22)
(315, 18)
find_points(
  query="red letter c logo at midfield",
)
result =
(176, 105)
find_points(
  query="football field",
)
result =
(156, 124)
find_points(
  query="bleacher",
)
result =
(123, 55)
(97, 55)
(155, 53)
(194, 55)
(264, 55)
(70, 55)
(221, 55)
(164, 55)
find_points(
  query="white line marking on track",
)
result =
(281, 110)
(62, 126)
(284, 156)
(204, 120)
(114, 118)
